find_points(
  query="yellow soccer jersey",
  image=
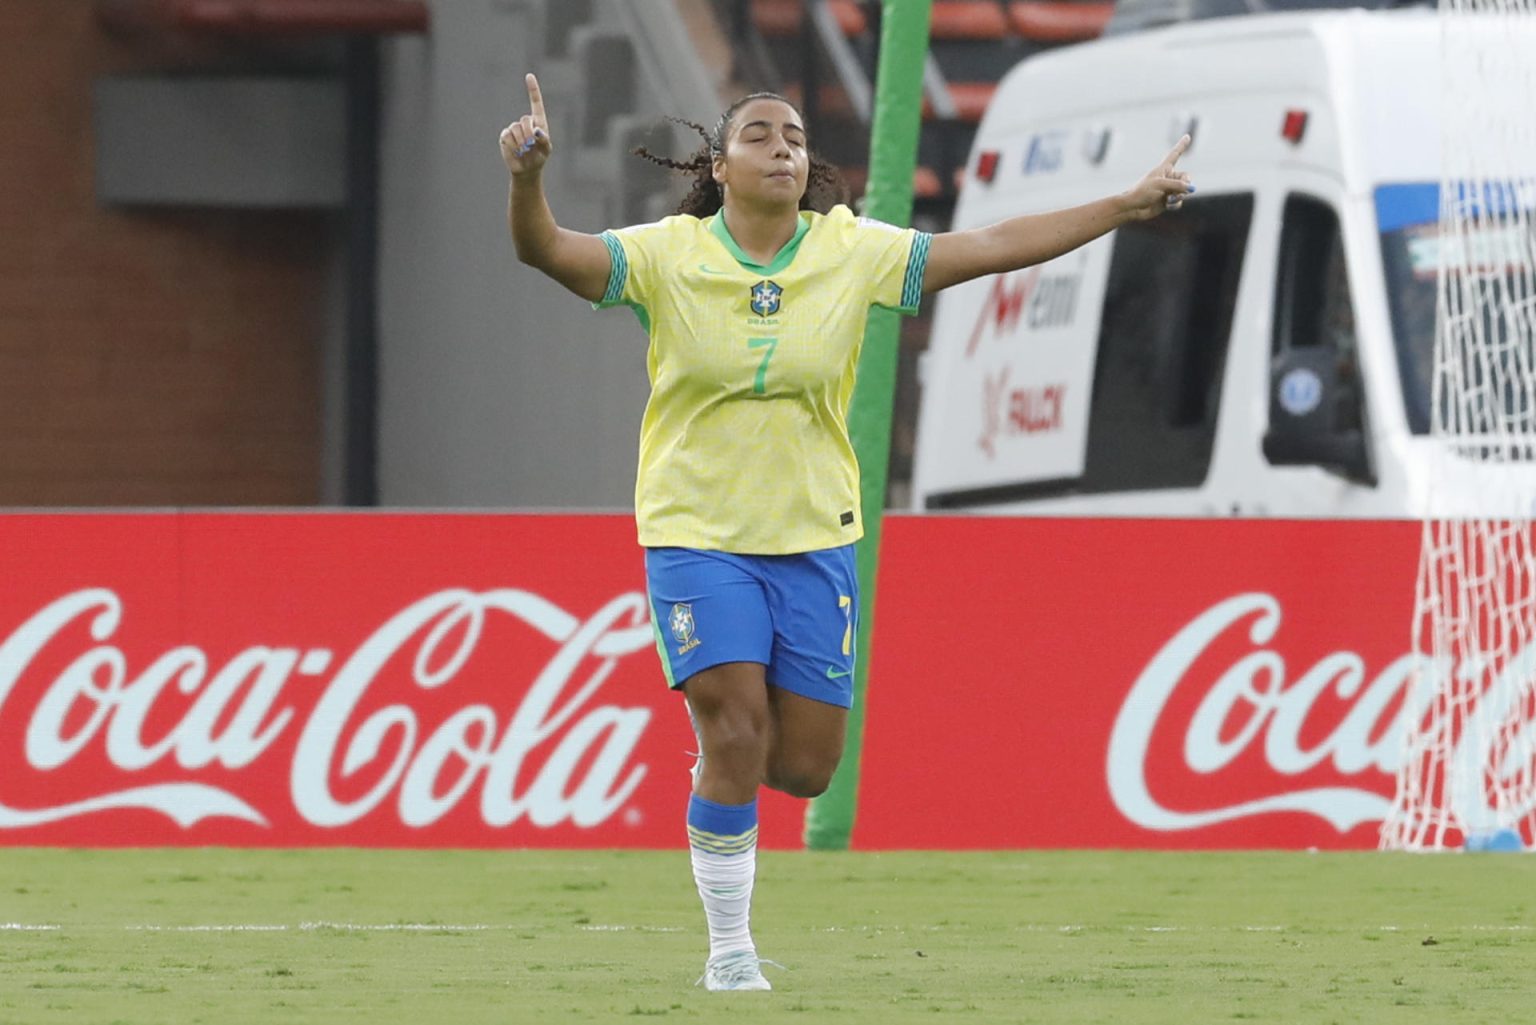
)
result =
(744, 444)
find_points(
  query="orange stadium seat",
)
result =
(834, 101)
(926, 183)
(971, 99)
(969, 20)
(1056, 21)
(777, 18)
(266, 17)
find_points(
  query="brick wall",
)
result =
(146, 357)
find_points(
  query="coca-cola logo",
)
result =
(1259, 703)
(557, 756)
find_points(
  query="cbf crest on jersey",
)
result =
(681, 623)
(766, 298)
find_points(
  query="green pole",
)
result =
(892, 161)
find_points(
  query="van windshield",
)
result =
(1408, 217)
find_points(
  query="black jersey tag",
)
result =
(846, 519)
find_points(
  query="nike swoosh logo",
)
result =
(707, 269)
(833, 674)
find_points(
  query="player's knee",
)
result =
(800, 780)
(800, 786)
(735, 737)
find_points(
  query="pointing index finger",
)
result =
(536, 101)
(1178, 150)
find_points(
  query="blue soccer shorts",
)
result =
(795, 614)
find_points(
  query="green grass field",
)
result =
(466, 937)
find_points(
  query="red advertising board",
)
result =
(490, 681)
(1136, 683)
(348, 680)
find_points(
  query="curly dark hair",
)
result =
(824, 186)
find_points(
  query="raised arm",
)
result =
(1024, 241)
(578, 261)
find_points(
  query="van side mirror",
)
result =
(1307, 392)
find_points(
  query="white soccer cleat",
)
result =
(738, 970)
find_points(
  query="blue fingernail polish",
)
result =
(1191, 190)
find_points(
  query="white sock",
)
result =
(725, 885)
(722, 842)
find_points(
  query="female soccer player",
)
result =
(747, 499)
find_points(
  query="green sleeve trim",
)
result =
(643, 315)
(618, 273)
(917, 267)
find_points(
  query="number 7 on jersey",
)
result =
(760, 382)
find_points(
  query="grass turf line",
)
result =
(522, 936)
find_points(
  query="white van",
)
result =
(1266, 351)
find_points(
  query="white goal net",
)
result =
(1469, 768)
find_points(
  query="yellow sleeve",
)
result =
(895, 259)
(634, 255)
